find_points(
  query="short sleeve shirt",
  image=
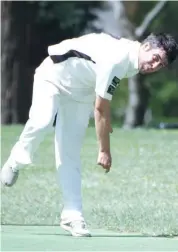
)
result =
(90, 65)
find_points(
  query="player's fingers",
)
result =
(107, 165)
(111, 130)
(107, 170)
(102, 164)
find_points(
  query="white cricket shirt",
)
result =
(90, 65)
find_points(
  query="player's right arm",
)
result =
(108, 78)
(103, 129)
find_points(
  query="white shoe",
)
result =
(8, 177)
(76, 228)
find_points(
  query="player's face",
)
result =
(151, 59)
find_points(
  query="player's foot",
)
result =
(76, 228)
(8, 177)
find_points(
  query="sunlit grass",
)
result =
(140, 194)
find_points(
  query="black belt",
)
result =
(69, 54)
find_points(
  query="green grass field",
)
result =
(139, 195)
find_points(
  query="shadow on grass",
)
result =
(116, 235)
(100, 235)
(121, 235)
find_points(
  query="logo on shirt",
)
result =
(113, 85)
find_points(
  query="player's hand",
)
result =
(105, 160)
(110, 129)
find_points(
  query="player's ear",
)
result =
(146, 46)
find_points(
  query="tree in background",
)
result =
(16, 22)
(28, 28)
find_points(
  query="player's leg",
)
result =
(41, 117)
(71, 124)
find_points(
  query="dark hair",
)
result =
(165, 41)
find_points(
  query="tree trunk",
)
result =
(13, 55)
(7, 54)
(137, 103)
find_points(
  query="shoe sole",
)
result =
(13, 180)
(69, 229)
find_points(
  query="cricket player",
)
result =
(78, 73)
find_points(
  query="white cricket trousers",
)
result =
(71, 122)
